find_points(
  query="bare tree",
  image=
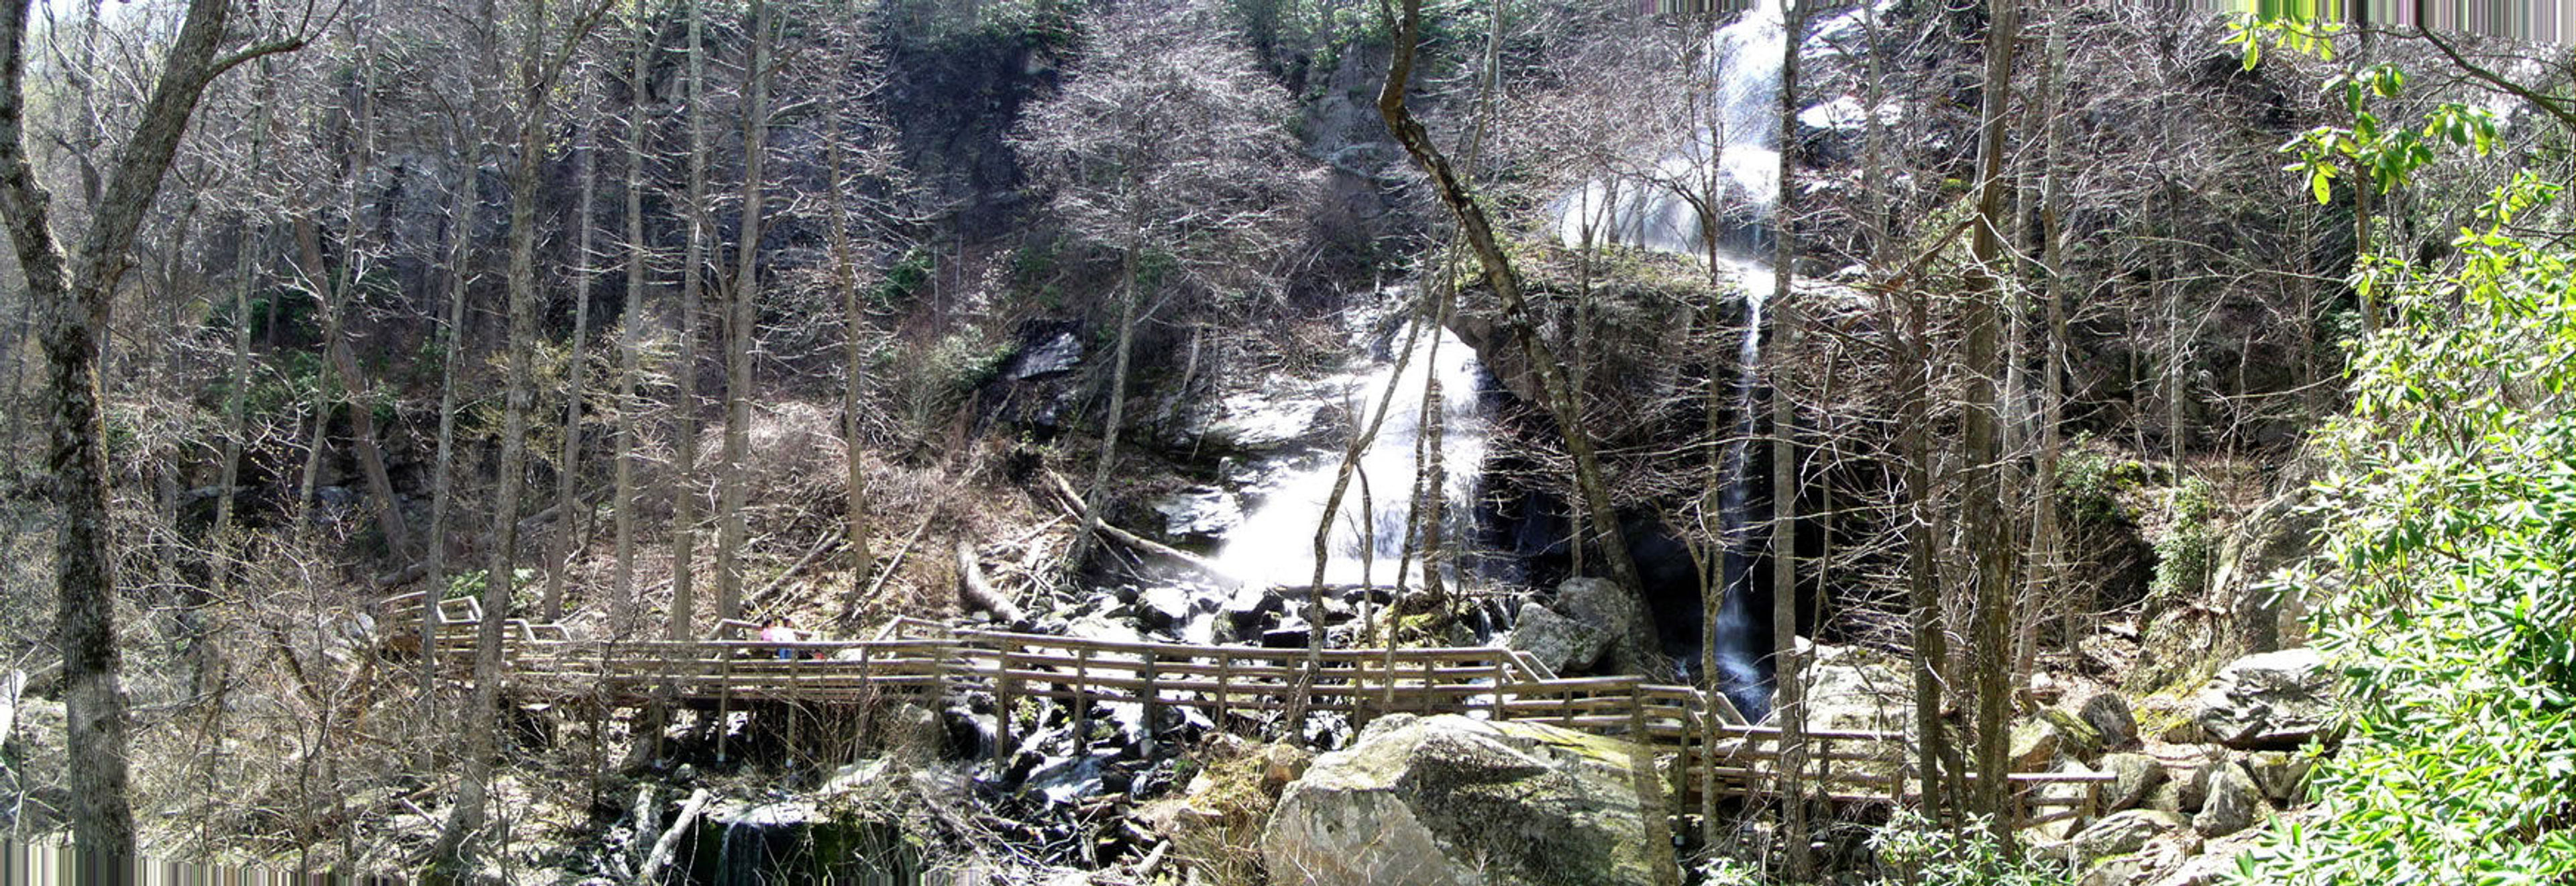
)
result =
(77, 289)
(548, 47)
(1165, 140)
(1990, 531)
(742, 313)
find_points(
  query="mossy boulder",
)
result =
(1453, 800)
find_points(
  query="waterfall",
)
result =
(1275, 542)
(1733, 153)
(1732, 158)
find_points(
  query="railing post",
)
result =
(1003, 690)
(1081, 694)
(1224, 670)
(1153, 699)
(1502, 675)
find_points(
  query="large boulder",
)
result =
(1452, 800)
(2138, 776)
(1562, 644)
(2273, 700)
(2234, 803)
(1858, 689)
(2122, 833)
(1600, 604)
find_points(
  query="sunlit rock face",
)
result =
(1454, 800)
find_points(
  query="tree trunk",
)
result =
(1989, 529)
(1562, 401)
(78, 301)
(442, 491)
(1787, 695)
(622, 620)
(483, 721)
(568, 462)
(744, 315)
(845, 277)
(684, 500)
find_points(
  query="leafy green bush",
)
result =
(2452, 528)
(1913, 850)
(2187, 547)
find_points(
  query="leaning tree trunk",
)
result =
(1563, 401)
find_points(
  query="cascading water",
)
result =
(1732, 162)
(1275, 542)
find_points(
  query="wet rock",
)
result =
(2139, 775)
(1159, 609)
(1452, 800)
(1562, 644)
(1249, 604)
(2273, 700)
(1291, 634)
(1200, 515)
(1059, 354)
(2234, 803)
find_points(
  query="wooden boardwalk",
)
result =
(1711, 746)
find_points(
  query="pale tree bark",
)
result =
(684, 498)
(246, 264)
(845, 277)
(2046, 592)
(630, 342)
(568, 460)
(344, 383)
(1787, 706)
(743, 315)
(1563, 403)
(76, 289)
(540, 65)
(452, 352)
(1989, 529)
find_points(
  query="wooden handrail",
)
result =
(912, 655)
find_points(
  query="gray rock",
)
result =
(2034, 746)
(1562, 644)
(1058, 354)
(1603, 606)
(2122, 871)
(2108, 714)
(2139, 775)
(2282, 776)
(2122, 833)
(1249, 604)
(2059, 796)
(2168, 797)
(2234, 804)
(2269, 700)
(1199, 513)
(1452, 800)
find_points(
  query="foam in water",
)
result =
(1275, 543)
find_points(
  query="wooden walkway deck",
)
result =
(1713, 748)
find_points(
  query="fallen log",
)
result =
(974, 591)
(670, 841)
(1074, 505)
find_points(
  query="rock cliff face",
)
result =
(1453, 800)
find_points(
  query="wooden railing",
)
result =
(1716, 749)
